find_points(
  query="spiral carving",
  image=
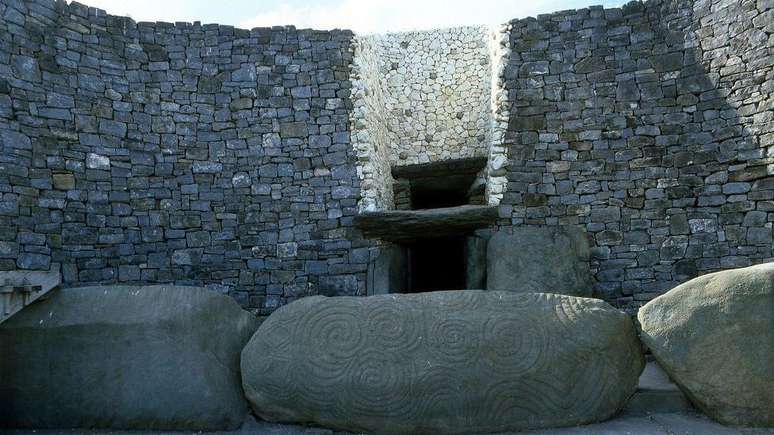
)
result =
(389, 324)
(448, 362)
(453, 340)
(520, 346)
(334, 332)
(375, 390)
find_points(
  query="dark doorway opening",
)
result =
(449, 183)
(440, 192)
(436, 264)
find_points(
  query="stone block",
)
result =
(153, 358)
(96, 161)
(294, 130)
(63, 181)
(540, 259)
(33, 261)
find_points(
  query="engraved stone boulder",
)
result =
(540, 259)
(158, 357)
(714, 335)
(442, 362)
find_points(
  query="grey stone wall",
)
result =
(425, 96)
(186, 153)
(650, 126)
(208, 155)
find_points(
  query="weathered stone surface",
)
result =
(540, 259)
(714, 335)
(96, 161)
(443, 362)
(611, 119)
(159, 357)
(402, 225)
(63, 181)
(624, 177)
(33, 261)
(243, 136)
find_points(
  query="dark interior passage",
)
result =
(449, 183)
(436, 264)
(449, 191)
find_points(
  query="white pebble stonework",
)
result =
(422, 97)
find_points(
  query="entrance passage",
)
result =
(449, 183)
(436, 264)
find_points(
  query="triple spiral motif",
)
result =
(478, 360)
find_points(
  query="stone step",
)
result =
(656, 394)
(19, 288)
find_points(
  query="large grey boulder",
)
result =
(160, 357)
(714, 335)
(442, 362)
(540, 259)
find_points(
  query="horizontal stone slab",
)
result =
(407, 225)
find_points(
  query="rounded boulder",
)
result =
(714, 336)
(442, 362)
(125, 357)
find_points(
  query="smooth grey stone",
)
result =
(656, 393)
(466, 361)
(14, 139)
(33, 261)
(128, 357)
(475, 262)
(409, 225)
(540, 259)
(714, 336)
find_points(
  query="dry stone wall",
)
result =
(435, 88)
(425, 97)
(370, 137)
(186, 153)
(496, 171)
(237, 159)
(650, 126)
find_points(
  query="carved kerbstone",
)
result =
(442, 362)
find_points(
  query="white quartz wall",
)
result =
(424, 97)
(369, 134)
(499, 53)
(436, 87)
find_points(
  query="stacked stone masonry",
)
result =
(435, 93)
(652, 127)
(186, 153)
(429, 96)
(238, 159)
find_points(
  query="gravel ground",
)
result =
(655, 424)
